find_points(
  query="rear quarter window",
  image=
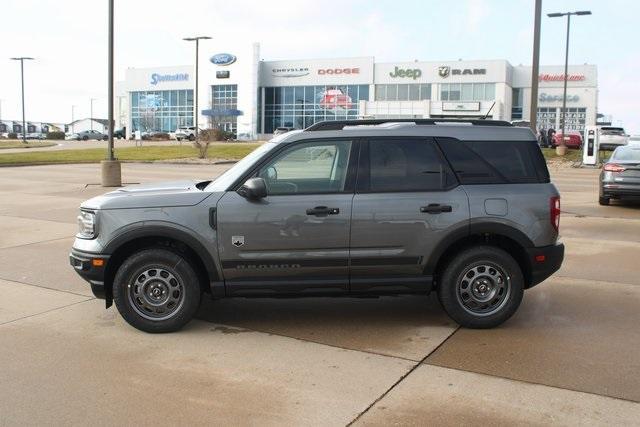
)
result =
(495, 162)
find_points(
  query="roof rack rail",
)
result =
(340, 124)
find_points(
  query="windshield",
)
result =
(626, 154)
(611, 131)
(226, 179)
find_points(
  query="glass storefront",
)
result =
(516, 104)
(467, 91)
(161, 111)
(301, 106)
(224, 98)
(403, 92)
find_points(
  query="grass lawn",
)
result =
(95, 155)
(14, 143)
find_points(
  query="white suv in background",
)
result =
(186, 132)
(612, 137)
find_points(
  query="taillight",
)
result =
(612, 167)
(554, 210)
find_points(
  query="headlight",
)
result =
(86, 225)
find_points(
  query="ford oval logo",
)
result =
(223, 59)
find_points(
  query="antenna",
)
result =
(487, 115)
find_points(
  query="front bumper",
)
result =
(91, 267)
(544, 261)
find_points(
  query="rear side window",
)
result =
(407, 165)
(495, 162)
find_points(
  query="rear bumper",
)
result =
(618, 190)
(545, 261)
(83, 263)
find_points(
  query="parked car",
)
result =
(393, 207)
(634, 140)
(120, 133)
(612, 137)
(620, 176)
(281, 130)
(186, 132)
(572, 140)
(36, 135)
(91, 134)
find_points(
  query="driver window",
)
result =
(308, 168)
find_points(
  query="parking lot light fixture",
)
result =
(24, 123)
(561, 149)
(195, 98)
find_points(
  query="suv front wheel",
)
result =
(156, 290)
(481, 287)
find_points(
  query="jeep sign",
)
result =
(413, 73)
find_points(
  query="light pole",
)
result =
(195, 107)
(91, 112)
(111, 170)
(561, 149)
(73, 116)
(24, 123)
(535, 69)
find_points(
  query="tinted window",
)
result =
(319, 167)
(494, 162)
(409, 165)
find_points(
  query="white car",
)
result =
(612, 137)
(186, 132)
(634, 140)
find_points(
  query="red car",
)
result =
(572, 140)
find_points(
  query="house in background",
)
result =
(81, 125)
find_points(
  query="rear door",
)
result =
(407, 202)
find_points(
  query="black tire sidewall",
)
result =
(447, 287)
(175, 263)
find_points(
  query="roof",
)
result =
(470, 130)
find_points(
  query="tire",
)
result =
(495, 270)
(192, 137)
(603, 201)
(85, 138)
(157, 303)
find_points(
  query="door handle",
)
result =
(435, 208)
(323, 211)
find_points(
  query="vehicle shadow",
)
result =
(404, 326)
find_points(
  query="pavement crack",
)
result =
(409, 372)
(45, 287)
(46, 311)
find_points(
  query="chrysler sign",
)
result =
(290, 72)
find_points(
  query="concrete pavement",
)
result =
(569, 356)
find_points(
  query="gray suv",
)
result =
(346, 208)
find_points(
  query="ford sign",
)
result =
(223, 59)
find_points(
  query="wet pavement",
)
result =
(569, 355)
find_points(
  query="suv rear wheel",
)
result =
(156, 290)
(481, 287)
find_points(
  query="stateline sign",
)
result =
(159, 78)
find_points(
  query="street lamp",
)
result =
(91, 112)
(24, 123)
(195, 115)
(562, 148)
(110, 167)
(73, 118)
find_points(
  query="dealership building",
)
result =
(242, 93)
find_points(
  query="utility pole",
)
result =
(111, 171)
(73, 118)
(195, 107)
(561, 149)
(535, 68)
(24, 122)
(91, 112)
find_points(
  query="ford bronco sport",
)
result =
(463, 208)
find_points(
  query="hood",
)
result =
(156, 195)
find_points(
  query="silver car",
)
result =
(91, 134)
(612, 137)
(620, 176)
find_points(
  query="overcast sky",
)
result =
(68, 38)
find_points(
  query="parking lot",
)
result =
(569, 355)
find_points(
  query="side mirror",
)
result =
(253, 189)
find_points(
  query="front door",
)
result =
(297, 238)
(407, 201)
